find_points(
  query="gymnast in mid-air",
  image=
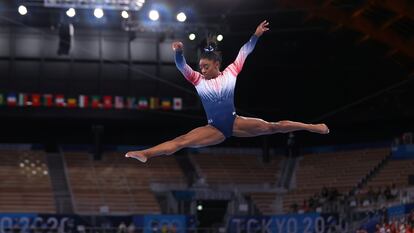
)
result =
(216, 90)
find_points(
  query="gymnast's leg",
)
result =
(251, 127)
(198, 137)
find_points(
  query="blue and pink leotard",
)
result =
(217, 94)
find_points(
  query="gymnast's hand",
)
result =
(263, 27)
(177, 46)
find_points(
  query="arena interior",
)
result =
(85, 81)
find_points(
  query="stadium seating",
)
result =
(120, 184)
(25, 183)
(342, 170)
(237, 169)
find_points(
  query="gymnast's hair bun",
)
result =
(211, 47)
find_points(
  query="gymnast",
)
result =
(216, 90)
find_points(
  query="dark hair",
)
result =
(210, 52)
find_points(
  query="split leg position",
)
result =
(209, 135)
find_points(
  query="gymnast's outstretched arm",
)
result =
(189, 74)
(247, 48)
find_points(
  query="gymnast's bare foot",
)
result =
(320, 128)
(139, 155)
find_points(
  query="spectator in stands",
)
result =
(305, 206)
(383, 228)
(361, 230)
(81, 229)
(371, 194)
(380, 228)
(353, 202)
(396, 142)
(407, 138)
(294, 208)
(333, 194)
(164, 228)
(392, 227)
(387, 193)
(394, 191)
(377, 228)
(409, 229)
(405, 198)
(411, 219)
(122, 228)
(384, 214)
(318, 208)
(173, 228)
(365, 201)
(378, 194)
(154, 227)
(131, 228)
(312, 202)
(324, 192)
(382, 199)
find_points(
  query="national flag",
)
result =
(72, 102)
(83, 101)
(143, 103)
(177, 103)
(119, 102)
(60, 101)
(96, 101)
(11, 99)
(166, 104)
(107, 102)
(36, 100)
(23, 99)
(131, 102)
(2, 102)
(154, 103)
(48, 100)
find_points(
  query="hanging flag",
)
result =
(166, 104)
(23, 99)
(60, 101)
(96, 101)
(72, 102)
(48, 100)
(143, 103)
(11, 99)
(119, 102)
(154, 103)
(83, 101)
(107, 102)
(131, 103)
(2, 102)
(36, 100)
(177, 103)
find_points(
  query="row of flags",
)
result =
(86, 101)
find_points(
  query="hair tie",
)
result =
(209, 49)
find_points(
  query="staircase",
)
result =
(372, 173)
(60, 186)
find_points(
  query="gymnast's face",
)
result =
(209, 68)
